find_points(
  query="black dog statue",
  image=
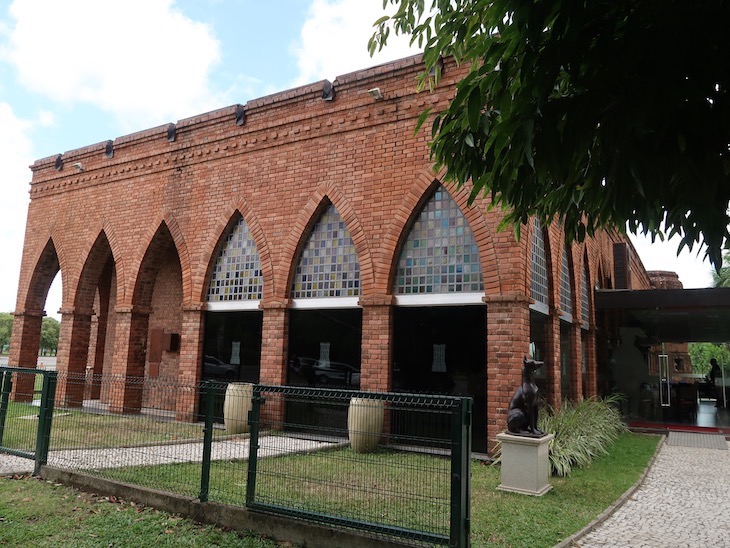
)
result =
(522, 412)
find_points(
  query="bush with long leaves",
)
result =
(583, 431)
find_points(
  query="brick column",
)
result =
(191, 359)
(552, 360)
(377, 343)
(576, 373)
(130, 350)
(24, 343)
(274, 342)
(274, 355)
(98, 363)
(508, 341)
(72, 357)
(591, 385)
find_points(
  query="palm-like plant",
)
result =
(722, 278)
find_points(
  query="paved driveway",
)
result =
(684, 501)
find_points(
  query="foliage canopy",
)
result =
(600, 114)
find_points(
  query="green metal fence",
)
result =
(285, 450)
(26, 413)
(344, 458)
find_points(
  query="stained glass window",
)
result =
(566, 292)
(539, 279)
(440, 255)
(328, 265)
(236, 274)
(584, 304)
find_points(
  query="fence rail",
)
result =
(26, 435)
(387, 464)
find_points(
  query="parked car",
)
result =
(337, 373)
(217, 369)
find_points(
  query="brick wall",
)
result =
(160, 205)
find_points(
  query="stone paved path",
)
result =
(684, 501)
(85, 459)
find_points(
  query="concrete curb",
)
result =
(572, 539)
(299, 532)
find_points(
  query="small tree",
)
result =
(50, 330)
(6, 329)
(721, 278)
(702, 353)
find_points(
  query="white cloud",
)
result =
(46, 118)
(15, 157)
(334, 40)
(142, 60)
(693, 270)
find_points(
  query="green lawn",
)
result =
(408, 498)
(35, 513)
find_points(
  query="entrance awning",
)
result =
(671, 315)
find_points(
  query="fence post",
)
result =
(210, 395)
(254, 421)
(5, 387)
(45, 419)
(461, 474)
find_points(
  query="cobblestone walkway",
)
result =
(95, 459)
(684, 501)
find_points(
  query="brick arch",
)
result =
(222, 227)
(47, 264)
(144, 270)
(411, 206)
(97, 256)
(320, 199)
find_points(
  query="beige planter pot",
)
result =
(236, 407)
(365, 424)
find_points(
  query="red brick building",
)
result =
(304, 229)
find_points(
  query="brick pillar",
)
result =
(72, 357)
(130, 351)
(591, 384)
(191, 359)
(377, 343)
(552, 360)
(274, 343)
(508, 341)
(99, 346)
(576, 373)
(274, 355)
(24, 343)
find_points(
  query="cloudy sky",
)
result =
(78, 72)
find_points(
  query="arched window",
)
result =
(328, 265)
(236, 274)
(539, 279)
(440, 254)
(584, 299)
(566, 292)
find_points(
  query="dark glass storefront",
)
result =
(441, 350)
(324, 351)
(232, 346)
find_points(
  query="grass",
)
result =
(386, 487)
(509, 519)
(38, 513)
(498, 518)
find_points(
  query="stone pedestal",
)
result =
(525, 464)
